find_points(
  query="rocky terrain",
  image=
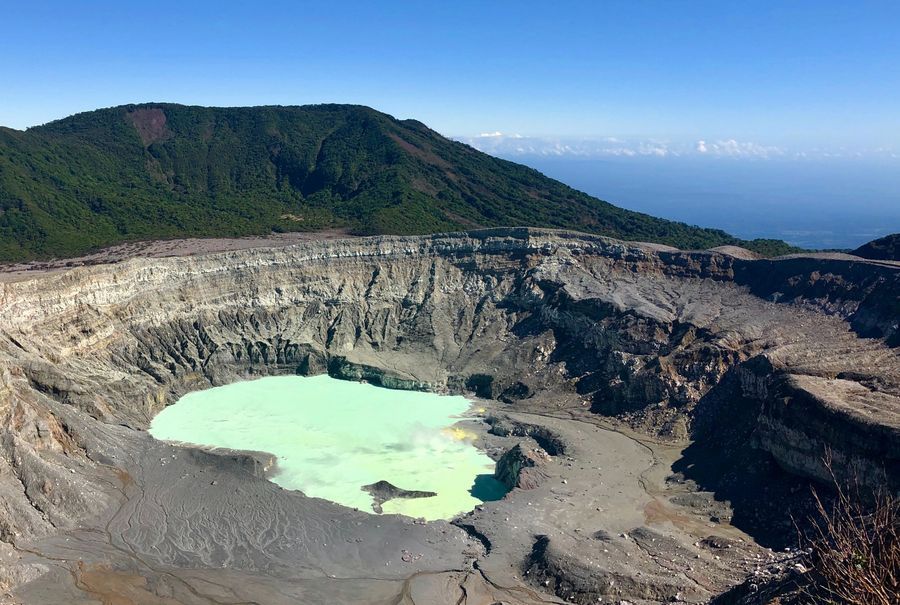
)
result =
(883, 248)
(382, 491)
(671, 407)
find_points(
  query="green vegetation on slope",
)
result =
(159, 171)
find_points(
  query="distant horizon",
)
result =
(812, 203)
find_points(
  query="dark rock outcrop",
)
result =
(883, 248)
(382, 491)
(521, 467)
(550, 442)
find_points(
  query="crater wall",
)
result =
(797, 352)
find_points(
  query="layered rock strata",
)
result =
(795, 354)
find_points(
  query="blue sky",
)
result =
(786, 75)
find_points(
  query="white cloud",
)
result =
(498, 143)
(737, 149)
(516, 145)
(512, 145)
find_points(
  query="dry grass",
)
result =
(855, 548)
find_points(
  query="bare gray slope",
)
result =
(775, 359)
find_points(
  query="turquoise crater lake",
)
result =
(331, 437)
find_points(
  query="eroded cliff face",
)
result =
(678, 344)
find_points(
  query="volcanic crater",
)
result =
(655, 412)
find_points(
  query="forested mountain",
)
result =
(160, 170)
